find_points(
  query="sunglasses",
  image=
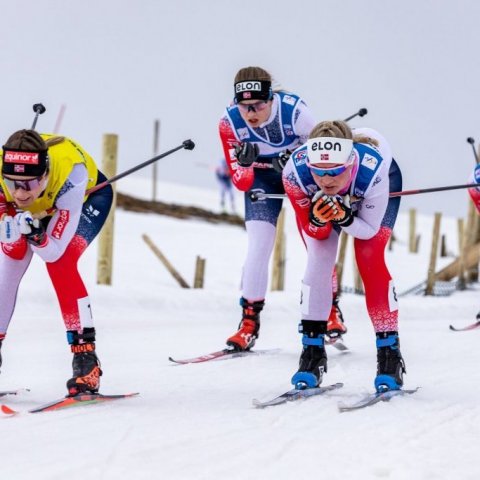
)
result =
(253, 107)
(26, 185)
(331, 172)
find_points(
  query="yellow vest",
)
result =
(63, 157)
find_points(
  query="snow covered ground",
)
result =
(197, 421)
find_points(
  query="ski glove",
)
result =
(9, 230)
(37, 235)
(331, 209)
(23, 223)
(279, 162)
(246, 153)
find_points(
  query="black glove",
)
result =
(279, 162)
(246, 153)
(37, 236)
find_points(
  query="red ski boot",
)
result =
(248, 330)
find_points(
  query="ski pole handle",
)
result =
(361, 113)
(471, 141)
(38, 108)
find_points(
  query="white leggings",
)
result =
(261, 239)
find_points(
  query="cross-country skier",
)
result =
(225, 183)
(339, 181)
(44, 211)
(258, 131)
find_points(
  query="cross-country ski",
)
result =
(296, 394)
(373, 398)
(69, 402)
(471, 326)
(224, 354)
(17, 391)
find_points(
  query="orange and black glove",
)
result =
(331, 209)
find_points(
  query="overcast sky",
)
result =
(118, 65)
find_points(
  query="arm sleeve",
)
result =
(301, 203)
(242, 177)
(64, 223)
(372, 208)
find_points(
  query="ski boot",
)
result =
(313, 359)
(335, 325)
(85, 364)
(390, 364)
(248, 329)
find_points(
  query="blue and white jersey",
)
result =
(288, 126)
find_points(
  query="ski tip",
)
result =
(7, 410)
(176, 362)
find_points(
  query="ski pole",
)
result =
(255, 196)
(434, 189)
(38, 108)
(361, 113)
(187, 145)
(471, 141)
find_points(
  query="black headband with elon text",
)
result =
(253, 90)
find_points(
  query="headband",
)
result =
(253, 90)
(329, 150)
(26, 163)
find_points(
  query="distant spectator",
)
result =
(225, 181)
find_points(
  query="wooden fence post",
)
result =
(165, 262)
(278, 265)
(199, 272)
(391, 242)
(443, 246)
(156, 136)
(105, 238)
(412, 244)
(461, 255)
(433, 255)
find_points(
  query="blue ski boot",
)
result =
(390, 364)
(313, 359)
